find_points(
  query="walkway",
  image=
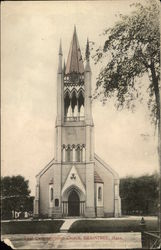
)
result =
(67, 224)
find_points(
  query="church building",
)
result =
(77, 182)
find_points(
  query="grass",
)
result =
(93, 226)
(31, 227)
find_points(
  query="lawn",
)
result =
(86, 226)
(31, 227)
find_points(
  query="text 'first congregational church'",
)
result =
(76, 182)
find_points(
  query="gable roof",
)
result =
(106, 166)
(74, 61)
(46, 168)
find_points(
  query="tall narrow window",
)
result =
(73, 153)
(99, 193)
(83, 153)
(68, 154)
(67, 105)
(56, 202)
(78, 154)
(51, 194)
(80, 104)
(74, 104)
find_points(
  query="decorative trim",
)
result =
(77, 92)
(74, 79)
(68, 146)
(75, 181)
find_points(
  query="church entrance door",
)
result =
(73, 204)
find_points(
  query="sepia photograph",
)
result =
(80, 124)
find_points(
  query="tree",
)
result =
(15, 195)
(131, 51)
(139, 195)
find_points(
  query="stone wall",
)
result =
(44, 190)
(74, 134)
(108, 194)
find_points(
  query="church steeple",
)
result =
(75, 175)
(74, 61)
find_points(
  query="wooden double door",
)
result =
(73, 204)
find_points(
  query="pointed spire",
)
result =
(60, 59)
(87, 67)
(87, 50)
(74, 61)
(60, 49)
(74, 29)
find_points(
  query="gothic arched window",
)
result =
(78, 154)
(51, 194)
(66, 105)
(74, 104)
(56, 202)
(63, 154)
(81, 104)
(99, 193)
(68, 154)
(83, 153)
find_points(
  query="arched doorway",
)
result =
(73, 204)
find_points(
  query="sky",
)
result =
(30, 36)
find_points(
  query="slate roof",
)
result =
(74, 61)
(97, 178)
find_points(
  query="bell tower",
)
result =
(74, 128)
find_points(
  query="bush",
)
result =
(31, 227)
(93, 226)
